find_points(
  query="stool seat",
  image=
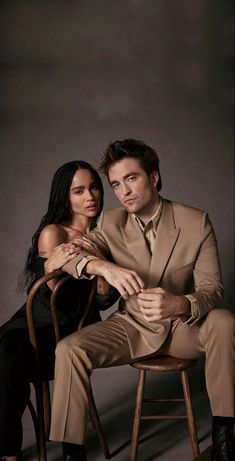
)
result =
(163, 363)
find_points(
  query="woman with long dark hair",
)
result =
(75, 202)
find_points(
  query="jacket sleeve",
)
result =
(208, 292)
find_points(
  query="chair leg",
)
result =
(42, 455)
(97, 425)
(35, 422)
(46, 407)
(190, 415)
(138, 410)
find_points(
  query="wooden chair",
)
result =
(42, 415)
(164, 364)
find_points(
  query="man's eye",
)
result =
(114, 186)
(132, 178)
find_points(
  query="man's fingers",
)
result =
(131, 288)
(147, 297)
(147, 310)
(128, 286)
(123, 293)
(133, 284)
(146, 304)
(140, 281)
(151, 295)
(136, 281)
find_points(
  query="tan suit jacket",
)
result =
(184, 261)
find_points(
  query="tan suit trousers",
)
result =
(105, 344)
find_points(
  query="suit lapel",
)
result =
(135, 242)
(166, 238)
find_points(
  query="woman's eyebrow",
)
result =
(78, 187)
(93, 183)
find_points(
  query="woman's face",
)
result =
(84, 196)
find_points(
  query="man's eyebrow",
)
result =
(133, 173)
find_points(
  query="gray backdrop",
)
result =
(76, 75)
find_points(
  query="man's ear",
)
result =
(154, 177)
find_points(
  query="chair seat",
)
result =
(164, 363)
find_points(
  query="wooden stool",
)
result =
(156, 364)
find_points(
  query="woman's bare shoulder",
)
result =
(51, 236)
(53, 230)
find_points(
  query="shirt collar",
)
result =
(154, 218)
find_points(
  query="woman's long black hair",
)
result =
(57, 211)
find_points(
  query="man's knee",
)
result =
(222, 320)
(71, 346)
(66, 345)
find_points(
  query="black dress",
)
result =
(17, 362)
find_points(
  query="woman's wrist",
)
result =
(47, 267)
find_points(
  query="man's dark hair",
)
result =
(131, 148)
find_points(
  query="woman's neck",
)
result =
(80, 224)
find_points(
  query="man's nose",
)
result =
(126, 190)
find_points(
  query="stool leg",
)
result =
(138, 409)
(190, 415)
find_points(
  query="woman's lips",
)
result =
(91, 207)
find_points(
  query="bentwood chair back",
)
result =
(41, 415)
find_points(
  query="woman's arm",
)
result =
(103, 287)
(51, 246)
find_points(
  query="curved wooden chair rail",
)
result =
(42, 415)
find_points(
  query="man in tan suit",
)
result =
(162, 258)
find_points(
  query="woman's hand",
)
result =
(60, 255)
(89, 246)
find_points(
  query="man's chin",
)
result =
(131, 208)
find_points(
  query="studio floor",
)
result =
(114, 390)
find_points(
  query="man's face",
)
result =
(134, 188)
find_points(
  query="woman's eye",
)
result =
(79, 192)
